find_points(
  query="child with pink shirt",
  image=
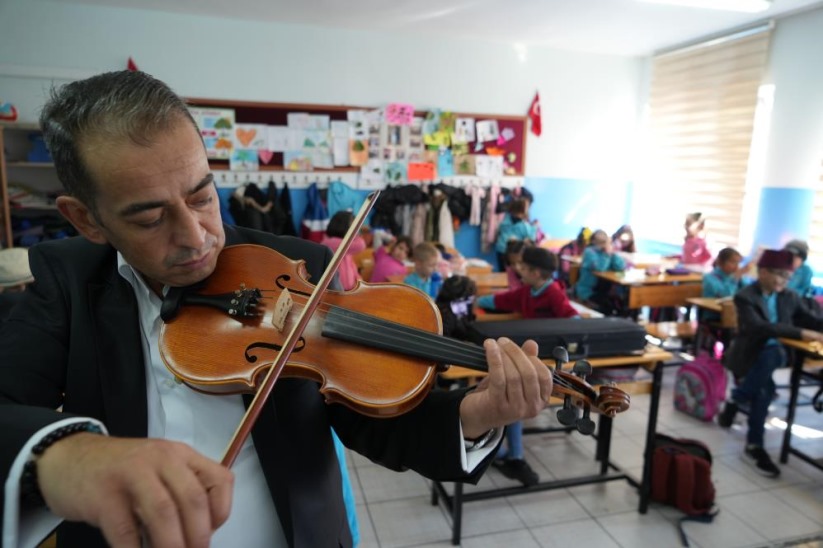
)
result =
(335, 231)
(695, 249)
(391, 261)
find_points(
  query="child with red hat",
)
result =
(764, 312)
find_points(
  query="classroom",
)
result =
(587, 74)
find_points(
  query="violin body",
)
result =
(219, 353)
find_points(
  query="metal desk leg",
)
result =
(457, 513)
(646, 482)
(604, 442)
(797, 368)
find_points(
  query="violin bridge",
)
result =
(282, 308)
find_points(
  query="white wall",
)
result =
(590, 102)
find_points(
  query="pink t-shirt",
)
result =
(348, 270)
(695, 251)
(385, 265)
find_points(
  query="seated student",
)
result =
(623, 240)
(450, 263)
(425, 257)
(391, 262)
(539, 297)
(801, 280)
(695, 249)
(598, 257)
(514, 252)
(575, 248)
(764, 312)
(726, 278)
(335, 232)
(514, 226)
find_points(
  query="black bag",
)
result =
(581, 337)
(682, 477)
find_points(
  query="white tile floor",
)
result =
(394, 509)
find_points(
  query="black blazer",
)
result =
(754, 327)
(75, 341)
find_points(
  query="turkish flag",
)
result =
(131, 65)
(534, 115)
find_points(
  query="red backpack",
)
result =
(682, 477)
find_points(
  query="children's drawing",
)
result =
(401, 114)
(243, 159)
(251, 136)
(463, 130)
(297, 160)
(487, 130)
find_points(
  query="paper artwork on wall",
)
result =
(216, 128)
(243, 159)
(438, 139)
(487, 130)
(372, 171)
(282, 138)
(401, 114)
(358, 124)
(299, 120)
(445, 163)
(506, 135)
(395, 172)
(322, 158)
(463, 130)
(319, 121)
(358, 150)
(251, 136)
(464, 164)
(421, 171)
(297, 160)
(265, 156)
(488, 166)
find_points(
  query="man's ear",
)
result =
(81, 217)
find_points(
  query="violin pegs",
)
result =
(561, 356)
(585, 425)
(582, 368)
(568, 414)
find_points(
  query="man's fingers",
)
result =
(522, 378)
(157, 511)
(219, 484)
(119, 526)
(193, 506)
(544, 376)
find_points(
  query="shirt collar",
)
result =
(544, 287)
(138, 284)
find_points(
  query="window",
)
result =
(701, 114)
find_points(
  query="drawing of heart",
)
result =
(246, 136)
(265, 155)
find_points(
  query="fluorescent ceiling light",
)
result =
(748, 6)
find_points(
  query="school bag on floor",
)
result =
(700, 387)
(682, 477)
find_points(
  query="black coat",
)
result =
(75, 341)
(754, 327)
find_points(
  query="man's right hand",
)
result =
(130, 487)
(809, 335)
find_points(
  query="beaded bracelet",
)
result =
(30, 494)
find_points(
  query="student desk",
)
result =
(574, 267)
(656, 291)
(490, 282)
(652, 360)
(803, 350)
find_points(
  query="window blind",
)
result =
(816, 230)
(701, 113)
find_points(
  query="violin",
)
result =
(375, 348)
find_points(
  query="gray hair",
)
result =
(113, 106)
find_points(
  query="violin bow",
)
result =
(256, 406)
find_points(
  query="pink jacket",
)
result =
(348, 270)
(385, 265)
(695, 251)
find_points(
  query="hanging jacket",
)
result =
(315, 217)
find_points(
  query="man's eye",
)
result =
(151, 224)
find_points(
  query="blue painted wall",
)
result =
(783, 214)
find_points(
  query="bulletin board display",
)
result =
(378, 143)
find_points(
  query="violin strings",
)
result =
(449, 350)
(423, 343)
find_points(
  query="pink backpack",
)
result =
(700, 387)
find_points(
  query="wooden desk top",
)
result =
(573, 259)
(491, 279)
(623, 278)
(810, 347)
(706, 303)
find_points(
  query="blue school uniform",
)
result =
(801, 281)
(717, 284)
(414, 280)
(595, 260)
(513, 229)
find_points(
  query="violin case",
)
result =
(581, 337)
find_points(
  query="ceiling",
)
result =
(620, 27)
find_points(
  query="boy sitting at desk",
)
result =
(539, 297)
(766, 310)
(425, 257)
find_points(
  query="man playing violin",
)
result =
(132, 455)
